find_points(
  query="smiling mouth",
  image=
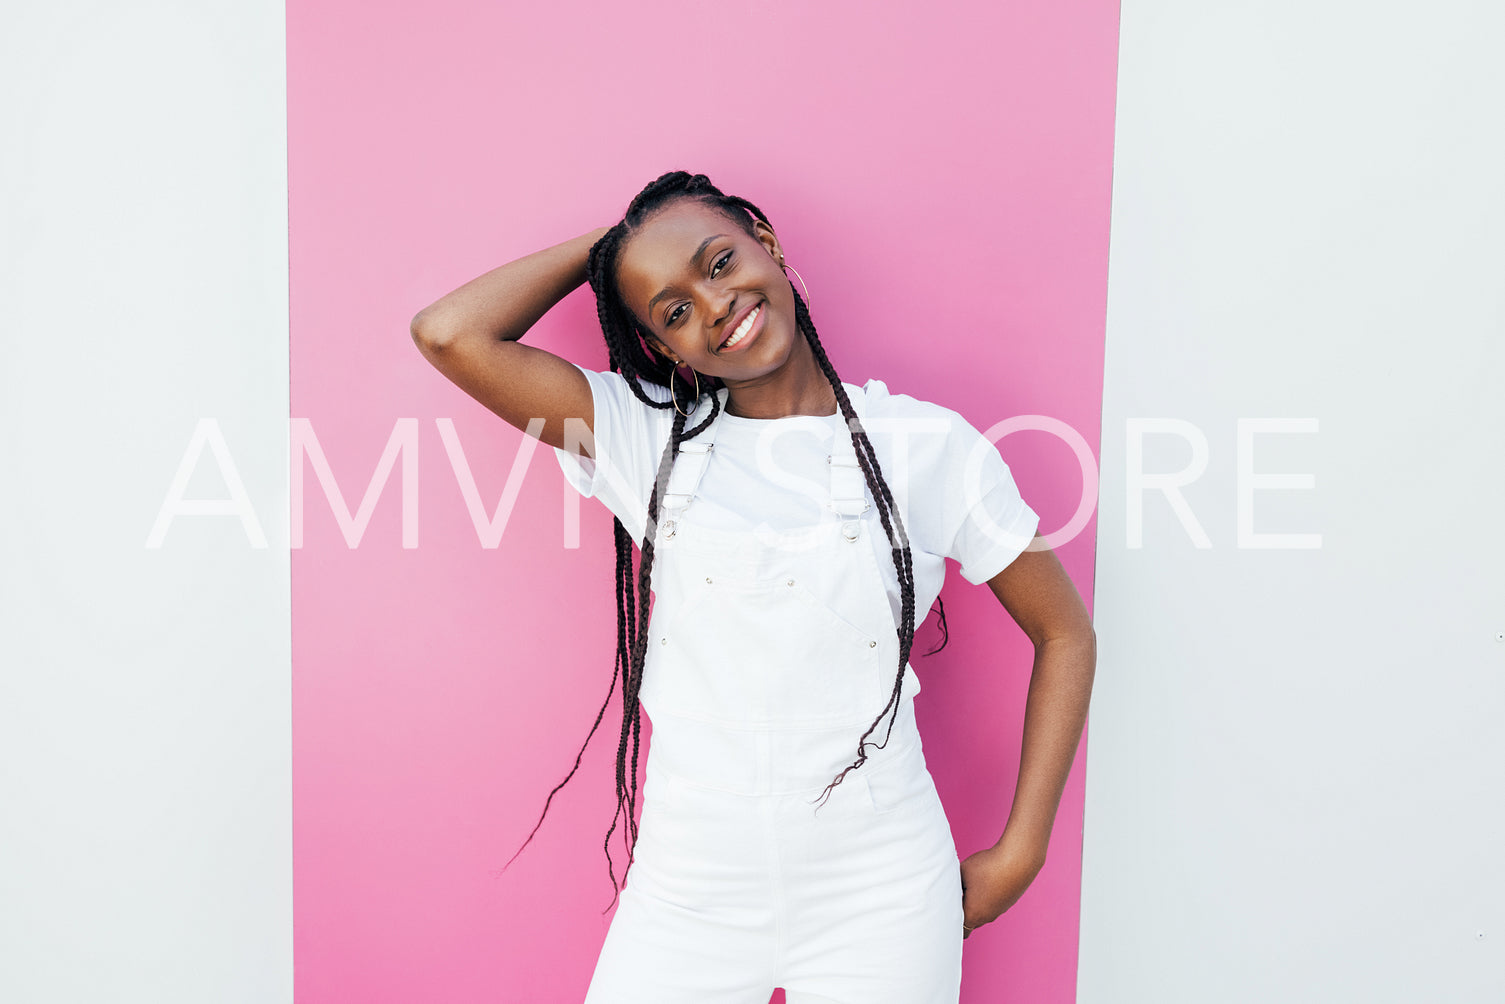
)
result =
(742, 329)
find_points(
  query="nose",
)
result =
(717, 305)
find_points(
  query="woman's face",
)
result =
(711, 295)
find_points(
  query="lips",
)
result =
(742, 328)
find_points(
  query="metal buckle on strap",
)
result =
(850, 527)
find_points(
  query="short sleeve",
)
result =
(629, 439)
(963, 503)
(994, 523)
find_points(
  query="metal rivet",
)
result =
(791, 582)
(708, 580)
(872, 644)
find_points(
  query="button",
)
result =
(872, 644)
(708, 580)
(791, 582)
(663, 641)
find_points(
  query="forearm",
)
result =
(1055, 713)
(505, 302)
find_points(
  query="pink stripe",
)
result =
(940, 175)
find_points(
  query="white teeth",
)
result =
(743, 328)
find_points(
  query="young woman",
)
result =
(789, 838)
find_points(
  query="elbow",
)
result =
(1088, 657)
(1075, 632)
(1080, 640)
(428, 336)
(1084, 638)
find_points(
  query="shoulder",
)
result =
(613, 386)
(903, 412)
(623, 417)
(937, 446)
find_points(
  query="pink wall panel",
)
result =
(941, 177)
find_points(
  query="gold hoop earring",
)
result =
(791, 268)
(675, 397)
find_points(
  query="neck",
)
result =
(797, 388)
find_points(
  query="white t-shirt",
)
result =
(953, 490)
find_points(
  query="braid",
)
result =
(940, 611)
(633, 680)
(893, 525)
(629, 354)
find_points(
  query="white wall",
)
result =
(145, 796)
(1296, 757)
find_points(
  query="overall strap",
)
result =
(689, 467)
(849, 498)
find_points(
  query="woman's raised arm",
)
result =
(471, 336)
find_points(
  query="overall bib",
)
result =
(769, 654)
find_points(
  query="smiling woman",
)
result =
(701, 306)
(778, 846)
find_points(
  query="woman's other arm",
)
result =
(471, 336)
(1040, 596)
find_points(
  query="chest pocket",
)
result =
(765, 653)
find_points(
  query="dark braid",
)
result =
(628, 353)
(633, 680)
(893, 525)
(940, 611)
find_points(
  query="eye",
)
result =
(721, 263)
(674, 314)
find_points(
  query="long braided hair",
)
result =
(628, 354)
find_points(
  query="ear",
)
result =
(659, 347)
(769, 240)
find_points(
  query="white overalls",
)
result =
(768, 657)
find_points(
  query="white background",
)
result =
(145, 740)
(1296, 758)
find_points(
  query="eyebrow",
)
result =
(694, 263)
